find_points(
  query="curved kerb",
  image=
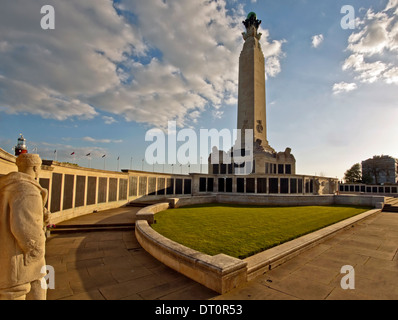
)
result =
(223, 273)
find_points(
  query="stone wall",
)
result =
(365, 189)
(264, 184)
(75, 191)
(7, 163)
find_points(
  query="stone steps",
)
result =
(391, 205)
(390, 208)
(84, 228)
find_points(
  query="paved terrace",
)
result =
(111, 265)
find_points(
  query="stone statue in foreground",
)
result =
(22, 231)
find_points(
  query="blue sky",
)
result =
(111, 71)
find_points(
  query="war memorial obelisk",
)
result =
(251, 94)
(252, 113)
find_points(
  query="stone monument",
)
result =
(23, 219)
(252, 111)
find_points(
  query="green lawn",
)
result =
(241, 231)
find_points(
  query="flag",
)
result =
(72, 153)
(88, 154)
(104, 156)
(118, 158)
(55, 151)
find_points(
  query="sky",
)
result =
(110, 71)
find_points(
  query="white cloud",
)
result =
(374, 46)
(93, 140)
(391, 76)
(368, 72)
(96, 59)
(317, 40)
(108, 120)
(343, 87)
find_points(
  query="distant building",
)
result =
(380, 170)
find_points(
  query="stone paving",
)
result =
(112, 265)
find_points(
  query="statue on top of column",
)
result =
(252, 24)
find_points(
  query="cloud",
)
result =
(273, 54)
(391, 76)
(374, 46)
(343, 87)
(368, 72)
(131, 58)
(108, 120)
(51, 72)
(317, 40)
(90, 139)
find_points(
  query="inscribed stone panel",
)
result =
(178, 186)
(142, 186)
(202, 185)
(250, 185)
(170, 186)
(56, 192)
(293, 185)
(221, 184)
(68, 191)
(133, 186)
(262, 185)
(161, 186)
(91, 189)
(152, 186)
(240, 185)
(102, 190)
(187, 186)
(228, 187)
(284, 185)
(122, 189)
(273, 185)
(112, 194)
(80, 191)
(210, 184)
(300, 185)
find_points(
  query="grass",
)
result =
(242, 231)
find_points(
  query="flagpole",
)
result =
(131, 163)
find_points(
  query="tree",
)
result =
(353, 175)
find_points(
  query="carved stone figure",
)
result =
(22, 236)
